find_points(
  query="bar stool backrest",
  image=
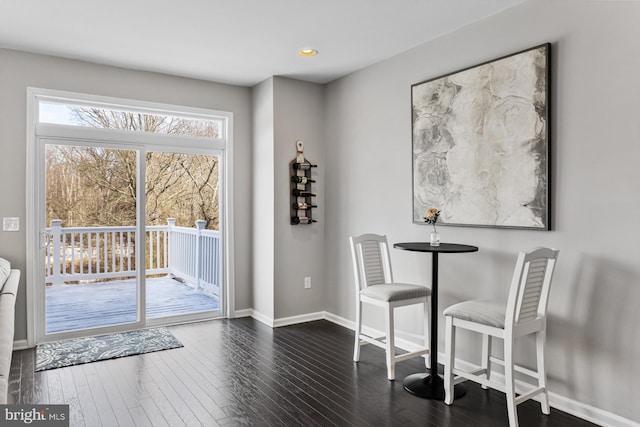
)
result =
(371, 261)
(529, 293)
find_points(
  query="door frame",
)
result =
(38, 133)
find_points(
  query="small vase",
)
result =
(434, 238)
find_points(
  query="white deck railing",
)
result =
(91, 253)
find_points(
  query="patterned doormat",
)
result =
(92, 349)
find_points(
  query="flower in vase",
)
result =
(432, 216)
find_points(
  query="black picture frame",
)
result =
(480, 143)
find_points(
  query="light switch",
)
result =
(11, 224)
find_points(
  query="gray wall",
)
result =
(594, 338)
(285, 111)
(299, 250)
(19, 70)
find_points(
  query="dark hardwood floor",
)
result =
(241, 372)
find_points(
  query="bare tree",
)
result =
(88, 186)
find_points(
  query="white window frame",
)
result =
(37, 131)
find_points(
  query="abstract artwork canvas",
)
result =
(481, 143)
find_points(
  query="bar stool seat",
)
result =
(484, 311)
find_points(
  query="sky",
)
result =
(60, 114)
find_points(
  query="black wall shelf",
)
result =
(301, 191)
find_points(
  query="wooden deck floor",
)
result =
(71, 307)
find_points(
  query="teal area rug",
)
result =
(102, 347)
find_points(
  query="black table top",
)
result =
(447, 248)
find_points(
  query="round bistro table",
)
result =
(431, 385)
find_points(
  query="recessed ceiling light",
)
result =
(307, 52)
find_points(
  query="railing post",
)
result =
(200, 223)
(56, 233)
(171, 222)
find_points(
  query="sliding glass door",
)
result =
(128, 207)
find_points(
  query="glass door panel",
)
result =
(90, 218)
(183, 255)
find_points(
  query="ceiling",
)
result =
(239, 42)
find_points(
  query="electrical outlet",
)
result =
(307, 282)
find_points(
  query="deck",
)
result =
(71, 307)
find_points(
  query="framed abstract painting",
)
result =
(481, 143)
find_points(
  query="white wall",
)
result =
(262, 218)
(20, 70)
(594, 338)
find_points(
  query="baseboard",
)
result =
(588, 412)
(403, 340)
(284, 321)
(262, 318)
(293, 320)
(242, 313)
(20, 345)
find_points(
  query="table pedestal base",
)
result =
(430, 387)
